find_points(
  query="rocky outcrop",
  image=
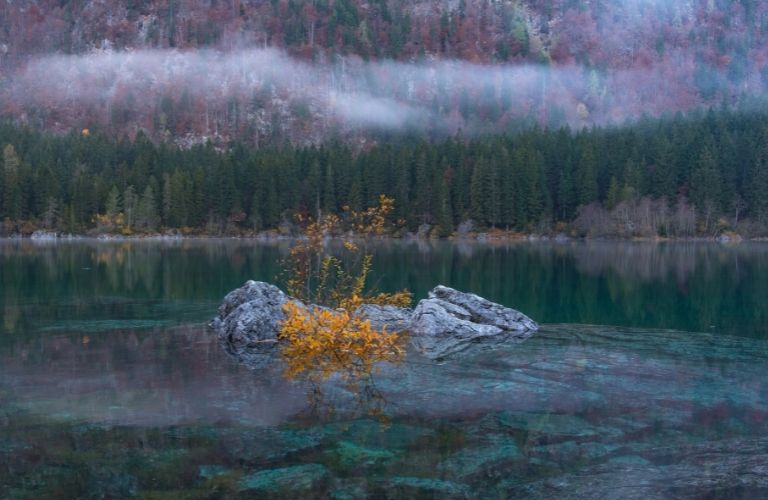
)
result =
(250, 315)
(484, 311)
(443, 324)
(448, 320)
(391, 318)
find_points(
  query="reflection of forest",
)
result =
(687, 286)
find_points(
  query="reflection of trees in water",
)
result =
(682, 285)
(90, 279)
(638, 262)
(165, 269)
(669, 285)
(326, 402)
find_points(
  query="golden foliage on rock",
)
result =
(320, 342)
(329, 338)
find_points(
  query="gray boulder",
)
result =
(484, 311)
(249, 316)
(391, 318)
(449, 320)
(445, 323)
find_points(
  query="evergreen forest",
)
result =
(704, 174)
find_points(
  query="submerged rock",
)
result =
(420, 487)
(448, 320)
(294, 479)
(352, 455)
(442, 324)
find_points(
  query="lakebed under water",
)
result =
(647, 378)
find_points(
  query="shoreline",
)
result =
(480, 238)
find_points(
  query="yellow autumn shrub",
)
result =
(320, 341)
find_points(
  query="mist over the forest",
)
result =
(213, 90)
(303, 72)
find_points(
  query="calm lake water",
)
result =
(647, 379)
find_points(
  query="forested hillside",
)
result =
(702, 175)
(232, 116)
(264, 72)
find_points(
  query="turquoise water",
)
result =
(646, 380)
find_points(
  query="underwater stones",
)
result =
(732, 468)
(498, 452)
(371, 433)
(572, 451)
(564, 426)
(294, 479)
(420, 487)
(212, 471)
(448, 320)
(109, 482)
(352, 455)
(267, 444)
(630, 460)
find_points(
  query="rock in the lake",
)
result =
(250, 315)
(448, 320)
(390, 318)
(484, 311)
(443, 324)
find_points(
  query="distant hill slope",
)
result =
(344, 67)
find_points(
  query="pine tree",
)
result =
(633, 180)
(422, 185)
(506, 188)
(11, 188)
(167, 196)
(178, 201)
(663, 182)
(587, 176)
(442, 201)
(329, 194)
(146, 211)
(403, 187)
(477, 193)
(614, 194)
(130, 202)
(51, 215)
(255, 218)
(355, 200)
(758, 185)
(112, 205)
(706, 187)
(534, 186)
(492, 197)
(271, 205)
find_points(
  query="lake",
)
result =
(646, 380)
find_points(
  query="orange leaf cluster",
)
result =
(319, 342)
